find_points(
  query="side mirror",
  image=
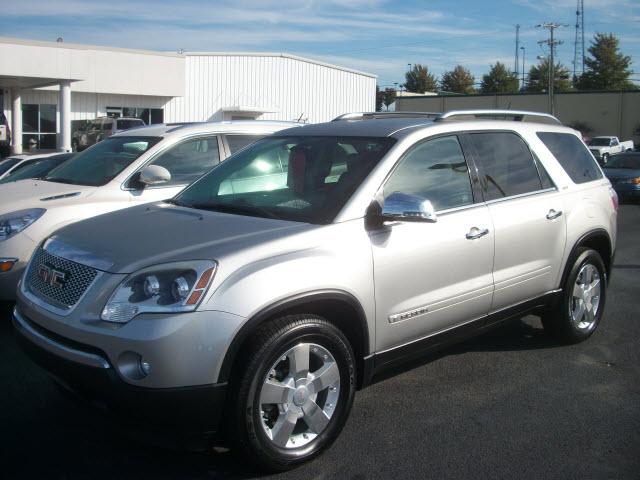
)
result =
(154, 175)
(411, 208)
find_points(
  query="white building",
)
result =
(46, 88)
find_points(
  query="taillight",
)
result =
(614, 198)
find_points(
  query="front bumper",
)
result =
(87, 371)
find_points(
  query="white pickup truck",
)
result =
(603, 147)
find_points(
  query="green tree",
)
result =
(389, 96)
(539, 77)
(499, 80)
(606, 67)
(458, 80)
(379, 99)
(419, 80)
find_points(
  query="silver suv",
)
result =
(259, 299)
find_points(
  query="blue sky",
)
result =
(376, 36)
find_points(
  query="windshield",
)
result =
(631, 162)
(600, 142)
(305, 179)
(102, 162)
(8, 163)
(126, 124)
(37, 169)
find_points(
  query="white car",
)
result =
(138, 166)
(14, 163)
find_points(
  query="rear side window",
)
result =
(574, 157)
(189, 160)
(237, 142)
(508, 168)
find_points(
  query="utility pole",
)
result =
(516, 69)
(578, 46)
(523, 49)
(551, 42)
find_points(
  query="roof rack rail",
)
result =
(516, 115)
(379, 115)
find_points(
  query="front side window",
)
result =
(306, 179)
(507, 165)
(435, 170)
(189, 160)
(101, 163)
(572, 155)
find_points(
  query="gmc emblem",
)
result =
(51, 276)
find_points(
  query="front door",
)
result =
(186, 161)
(430, 277)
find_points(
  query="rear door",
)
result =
(430, 277)
(527, 214)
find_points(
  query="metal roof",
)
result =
(233, 126)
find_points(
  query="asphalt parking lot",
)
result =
(509, 404)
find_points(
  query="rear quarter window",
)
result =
(572, 155)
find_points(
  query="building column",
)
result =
(64, 105)
(16, 121)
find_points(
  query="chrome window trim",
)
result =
(521, 195)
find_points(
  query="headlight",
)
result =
(167, 288)
(15, 222)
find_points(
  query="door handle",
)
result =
(476, 232)
(553, 214)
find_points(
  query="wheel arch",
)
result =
(338, 307)
(597, 239)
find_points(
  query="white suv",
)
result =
(129, 168)
(262, 296)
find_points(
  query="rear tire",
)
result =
(578, 314)
(293, 393)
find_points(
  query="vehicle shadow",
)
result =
(74, 440)
(525, 333)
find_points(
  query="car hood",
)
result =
(137, 237)
(25, 194)
(621, 173)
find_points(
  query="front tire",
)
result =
(578, 315)
(294, 393)
(605, 158)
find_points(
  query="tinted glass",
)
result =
(574, 157)
(30, 118)
(99, 164)
(292, 178)
(629, 161)
(126, 124)
(599, 142)
(48, 118)
(237, 142)
(189, 160)
(8, 163)
(435, 170)
(37, 168)
(507, 165)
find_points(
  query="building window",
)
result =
(148, 115)
(39, 126)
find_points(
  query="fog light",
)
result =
(7, 264)
(145, 367)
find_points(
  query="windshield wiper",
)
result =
(239, 207)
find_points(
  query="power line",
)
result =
(551, 26)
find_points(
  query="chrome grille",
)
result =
(77, 279)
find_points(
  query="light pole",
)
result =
(522, 48)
